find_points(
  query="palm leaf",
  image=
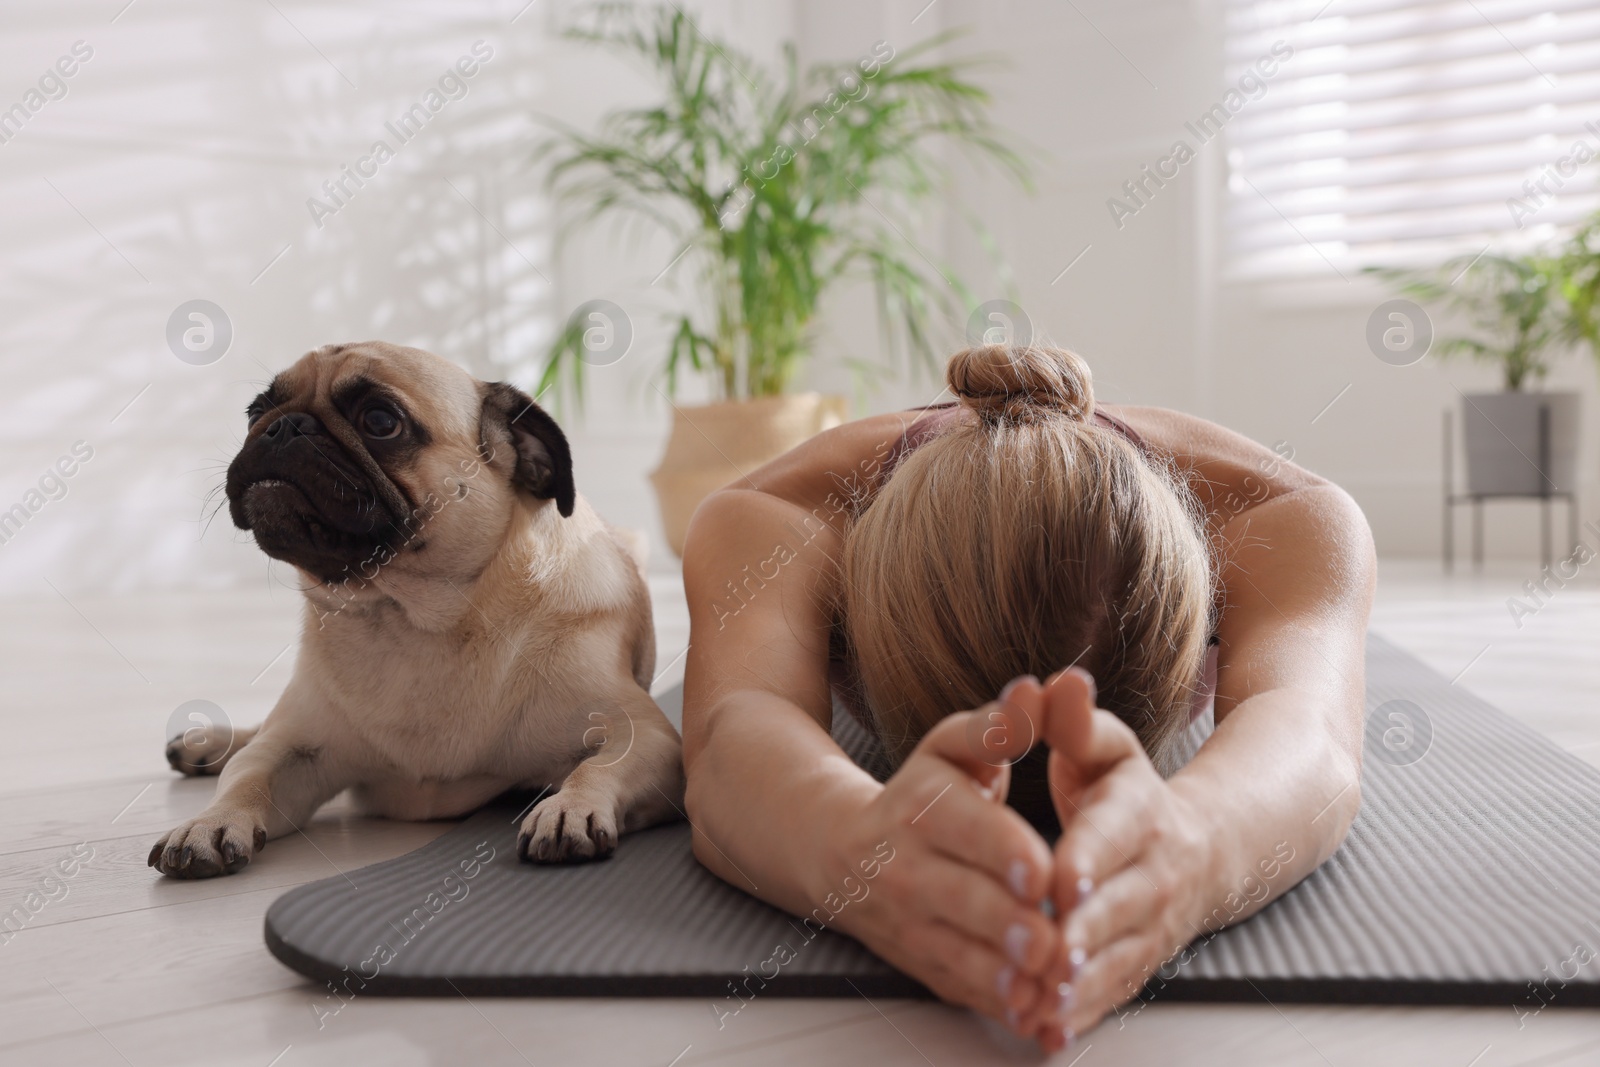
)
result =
(782, 183)
(1512, 301)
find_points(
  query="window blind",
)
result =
(1402, 133)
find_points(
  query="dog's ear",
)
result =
(544, 462)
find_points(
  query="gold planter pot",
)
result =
(715, 444)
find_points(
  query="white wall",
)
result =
(179, 164)
(1102, 87)
(1106, 86)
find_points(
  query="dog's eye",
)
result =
(379, 423)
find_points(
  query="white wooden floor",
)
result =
(124, 968)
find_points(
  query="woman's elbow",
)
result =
(1343, 783)
(1356, 551)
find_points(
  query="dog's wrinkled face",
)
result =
(366, 455)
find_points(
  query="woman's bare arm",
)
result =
(1297, 572)
(1273, 791)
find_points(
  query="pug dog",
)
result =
(471, 625)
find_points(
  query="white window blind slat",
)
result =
(1408, 132)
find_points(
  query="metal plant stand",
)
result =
(1547, 493)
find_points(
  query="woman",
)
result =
(928, 568)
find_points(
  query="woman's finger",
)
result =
(964, 758)
(961, 897)
(1126, 906)
(1085, 743)
(1111, 978)
(1130, 902)
(1101, 835)
(994, 736)
(962, 970)
(1092, 740)
(959, 822)
(1069, 698)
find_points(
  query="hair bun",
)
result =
(1008, 382)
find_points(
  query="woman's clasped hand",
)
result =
(976, 906)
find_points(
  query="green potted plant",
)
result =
(1579, 263)
(1522, 323)
(776, 186)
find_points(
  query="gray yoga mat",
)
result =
(1471, 876)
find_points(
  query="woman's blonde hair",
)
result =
(1022, 541)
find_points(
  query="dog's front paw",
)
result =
(215, 843)
(568, 828)
(201, 750)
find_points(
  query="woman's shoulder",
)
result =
(845, 460)
(1213, 450)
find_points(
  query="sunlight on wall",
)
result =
(178, 165)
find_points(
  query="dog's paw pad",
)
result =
(200, 750)
(208, 846)
(567, 828)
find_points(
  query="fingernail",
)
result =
(1077, 957)
(1003, 980)
(1011, 685)
(1019, 878)
(1085, 887)
(1065, 997)
(1017, 938)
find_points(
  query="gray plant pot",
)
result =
(1501, 434)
